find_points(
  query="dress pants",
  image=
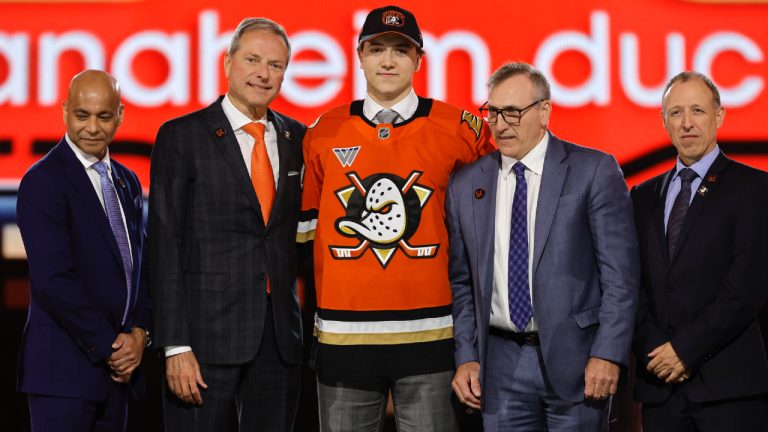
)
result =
(518, 396)
(422, 403)
(680, 414)
(263, 394)
(63, 414)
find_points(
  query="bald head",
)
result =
(92, 111)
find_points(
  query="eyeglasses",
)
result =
(511, 115)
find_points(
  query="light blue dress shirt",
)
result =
(701, 167)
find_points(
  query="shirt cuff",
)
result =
(176, 349)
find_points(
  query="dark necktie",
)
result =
(112, 207)
(387, 116)
(520, 309)
(679, 209)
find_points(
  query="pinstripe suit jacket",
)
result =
(211, 250)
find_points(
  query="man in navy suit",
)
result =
(80, 215)
(543, 267)
(701, 363)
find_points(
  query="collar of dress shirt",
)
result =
(87, 159)
(702, 166)
(534, 160)
(236, 118)
(405, 108)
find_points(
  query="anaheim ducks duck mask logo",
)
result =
(383, 212)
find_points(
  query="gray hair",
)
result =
(692, 75)
(253, 24)
(511, 69)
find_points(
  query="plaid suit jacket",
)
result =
(210, 251)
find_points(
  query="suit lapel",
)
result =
(552, 179)
(77, 176)
(701, 195)
(658, 215)
(483, 196)
(222, 134)
(283, 150)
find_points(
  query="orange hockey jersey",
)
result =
(373, 202)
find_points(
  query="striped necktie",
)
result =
(679, 210)
(112, 207)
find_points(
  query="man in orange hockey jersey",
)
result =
(373, 202)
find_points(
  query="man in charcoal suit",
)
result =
(224, 202)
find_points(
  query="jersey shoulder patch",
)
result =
(474, 123)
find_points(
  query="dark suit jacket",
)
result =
(76, 276)
(211, 250)
(585, 276)
(706, 298)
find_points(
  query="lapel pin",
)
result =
(220, 132)
(479, 193)
(287, 135)
(712, 178)
(702, 190)
(121, 181)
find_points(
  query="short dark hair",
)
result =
(508, 70)
(692, 75)
(253, 24)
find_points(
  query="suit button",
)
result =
(266, 237)
(668, 289)
(670, 329)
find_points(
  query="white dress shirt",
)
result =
(505, 191)
(405, 108)
(237, 120)
(88, 161)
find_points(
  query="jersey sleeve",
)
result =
(312, 189)
(477, 134)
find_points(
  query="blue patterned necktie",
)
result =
(112, 207)
(679, 210)
(520, 309)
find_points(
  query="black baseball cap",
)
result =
(391, 19)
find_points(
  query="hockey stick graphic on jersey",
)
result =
(418, 251)
(340, 252)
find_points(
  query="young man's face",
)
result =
(389, 62)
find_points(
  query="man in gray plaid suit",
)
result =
(224, 202)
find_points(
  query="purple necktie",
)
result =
(520, 309)
(679, 209)
(112, 207)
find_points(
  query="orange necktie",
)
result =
(261, 170)
(261, 173)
